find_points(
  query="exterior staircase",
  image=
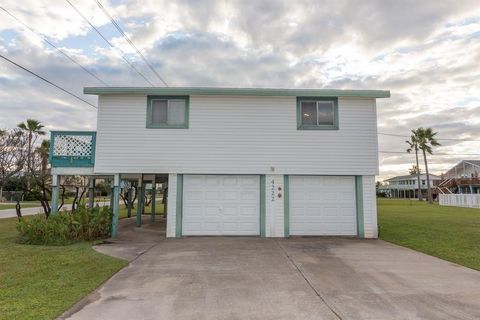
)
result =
(444, 187)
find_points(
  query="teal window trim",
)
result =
(335, 125)
(286, 206)
(152, 125)
(262, 205)
(179, 213)
(359, 202)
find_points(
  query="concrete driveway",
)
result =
(298, 278)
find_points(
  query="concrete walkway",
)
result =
(10, 213)
(298, 278)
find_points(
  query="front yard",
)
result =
(41, 282)
(450, 233)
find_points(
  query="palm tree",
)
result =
(413, 143)
(33, 128)
(44, 151)
(426, 140)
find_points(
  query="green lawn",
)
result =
(450, 233)
(148, 210)
(11, 205)
(41, 282)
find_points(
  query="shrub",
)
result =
(83, 224)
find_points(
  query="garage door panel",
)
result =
(193, 195)
(227, 205)
(322, 205)
(230, 195)
(211, 195)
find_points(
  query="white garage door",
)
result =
(322, 205)
(221, 205)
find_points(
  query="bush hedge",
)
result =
(83, 224)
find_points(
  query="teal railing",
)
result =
(72, 148)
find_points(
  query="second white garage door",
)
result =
(322, 205)
(221, 205)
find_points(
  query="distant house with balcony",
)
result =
(461, 178)
(407, 186)
(460, 186)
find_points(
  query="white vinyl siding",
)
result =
(236, 135)
(369, 207)
(221, 205)
(323, 205)
(274, 205)
(172, 205)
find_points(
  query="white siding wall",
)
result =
(274, 209)
(235, 135)
(369, 207)
(172, 205)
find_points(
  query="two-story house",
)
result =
(407, 186)
(260, 162)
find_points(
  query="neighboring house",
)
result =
(407, 186)
(460, 185)
(463, 177)
(264, 162)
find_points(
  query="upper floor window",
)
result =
(317, 113)
(167, 112)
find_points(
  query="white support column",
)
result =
(54, 202)
(274, 205)
(369, 207)
(115, 206)
(172, 206)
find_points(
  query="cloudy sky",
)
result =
(426, 52)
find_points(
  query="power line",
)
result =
(110, 44)
(47, 81)
(112, 20)
(51, 44)
(445, 139)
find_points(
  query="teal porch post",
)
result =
(111, 195)
(115, 206)
(140, 202)
(54, 202)
(91, 192)
(154, 191)
(129, 202)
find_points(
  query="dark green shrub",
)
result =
(83, 224)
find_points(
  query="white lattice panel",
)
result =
(73, 146)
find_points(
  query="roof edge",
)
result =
(237, 91)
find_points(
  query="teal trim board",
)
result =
(179, 216)
(212, 91)
(286, 206)
(262, 205)
(359, 198)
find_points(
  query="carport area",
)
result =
(296, 278)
